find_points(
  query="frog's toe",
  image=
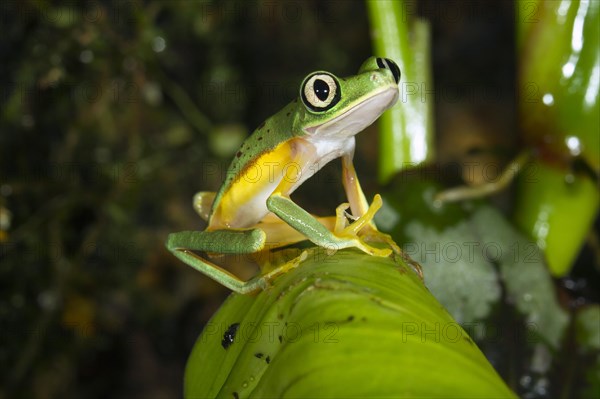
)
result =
(341, 217)
(359, 243)
(381, 252)
(365, 220)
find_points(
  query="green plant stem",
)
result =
(406, 131)
(345, 325)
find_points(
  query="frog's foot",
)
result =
(374, 235)
(267, 278)
(363, 224)
(371, 234)
(319, 234)
(341, 217)
(343, 241)
(365, 220)
(368, 232)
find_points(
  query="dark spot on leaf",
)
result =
(229, 335)
(280, 339)
(260, 138)
(268, 359)
(239, 154)
(280, 316)
(350, 318)
(268, 130)
(288, 114)
(236, 396)
(258, 355)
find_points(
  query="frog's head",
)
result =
(342, 107)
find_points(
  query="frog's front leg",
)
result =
(306, 224)
(183, 244)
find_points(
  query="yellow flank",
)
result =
(266, 170)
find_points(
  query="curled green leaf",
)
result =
(347, 325)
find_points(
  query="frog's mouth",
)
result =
(358, 117)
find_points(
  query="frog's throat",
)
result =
(357, 118)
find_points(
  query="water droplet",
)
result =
(152, 93)
(574, 145)
(159, 44)
(525, 380)
(541, 387)
(568, 69)
(86, 56)
(6, 190)
(27, 121)
(569, 178)
(548, 99)
(47, 300)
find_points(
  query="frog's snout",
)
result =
(386, 63)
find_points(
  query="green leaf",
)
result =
(460, 245)
(348, 325)
(559, 77)
(455, 269)
(556, 210)
(524, 274)
(559, 86)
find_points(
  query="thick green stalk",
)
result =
(406, 131)
(347, 325)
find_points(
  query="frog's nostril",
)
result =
(386, 63)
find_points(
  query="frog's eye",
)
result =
(320, 92)
(386, 63)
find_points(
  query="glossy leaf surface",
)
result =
(349, 325)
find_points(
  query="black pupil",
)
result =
(321, 89)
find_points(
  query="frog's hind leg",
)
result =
(183, 245)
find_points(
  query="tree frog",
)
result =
(253, 209)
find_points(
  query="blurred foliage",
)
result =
(472, 257)
(113, 114)
(559, 72)
(488, 275)
(559, 116)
